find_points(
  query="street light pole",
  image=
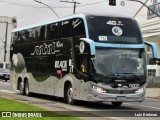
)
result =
(48, 7)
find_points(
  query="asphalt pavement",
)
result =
(87, 110)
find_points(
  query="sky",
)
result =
(30, 12)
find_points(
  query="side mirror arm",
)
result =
(154, 49)
(91, 43)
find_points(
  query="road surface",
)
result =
(85, 110)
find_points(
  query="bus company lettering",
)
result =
(61, 64)
(46, 49)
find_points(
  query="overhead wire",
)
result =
(28, 14)
(34, 6)
(87, 4)
(20, 4)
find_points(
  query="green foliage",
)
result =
(11, 105)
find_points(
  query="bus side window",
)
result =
(65, 29)
(78, 28)
(42, 33)
(23, 35)
(82, 63)
(19, 38)
(52, 31)
(37, 33)
(14, 37)
(27, 34)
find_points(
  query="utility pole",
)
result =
(75, 4)
(5, 42)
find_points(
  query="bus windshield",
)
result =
(114, 61)
(114, 30)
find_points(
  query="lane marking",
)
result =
(156, 99)
(4, 83)
(143, 106)
(7, 91)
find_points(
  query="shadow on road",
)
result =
(91, 105)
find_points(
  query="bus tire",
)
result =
(21, 89)
(26, 88)
(117, 104)
(69, 95)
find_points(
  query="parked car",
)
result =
(4, 74)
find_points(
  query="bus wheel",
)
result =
(26, 88)
(116, 104)
(21, 90)
(69, 95)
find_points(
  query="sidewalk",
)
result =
(153, 93)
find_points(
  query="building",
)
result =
(6, 26)
(150, 26)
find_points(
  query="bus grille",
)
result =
(120, 92)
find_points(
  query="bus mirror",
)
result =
(154, 49)
(91, 44)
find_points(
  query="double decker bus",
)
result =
(81, 57)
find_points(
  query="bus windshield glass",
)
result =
(114, 30)
(114, 61)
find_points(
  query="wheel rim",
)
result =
(70, 95)
(21, 88)
(26, 89)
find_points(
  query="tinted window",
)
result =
(52, 31)
(65, 29)
(114, 30)
(42, 33)
(78, 28)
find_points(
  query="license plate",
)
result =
(121, 98)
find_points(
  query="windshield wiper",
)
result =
(97, 75)
(101, 77)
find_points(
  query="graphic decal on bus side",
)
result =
(18, 62)
(76, 23)
(61, 64)
(64, 65)
(47, 48)
(15, 59)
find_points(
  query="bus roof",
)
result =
(66, 18)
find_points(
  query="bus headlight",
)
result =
(98, 89)
(140, 90)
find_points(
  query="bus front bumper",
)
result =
(105, 97)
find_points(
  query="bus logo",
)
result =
(82, 47)
(117, 31)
